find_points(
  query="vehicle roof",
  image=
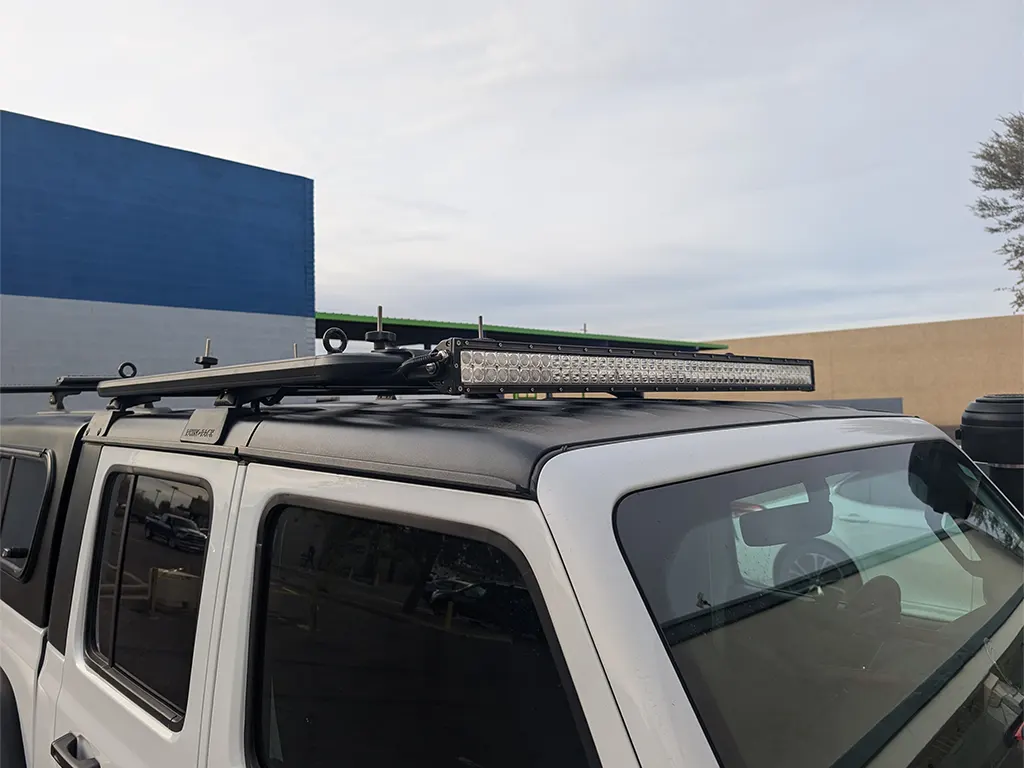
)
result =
(39, 430)
(485, 444)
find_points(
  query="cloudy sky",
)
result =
(652, 167)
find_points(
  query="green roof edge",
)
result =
(514, 329)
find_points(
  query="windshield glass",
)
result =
(812, 608)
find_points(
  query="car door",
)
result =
(330, 652)
(27, 477)
(134, 674)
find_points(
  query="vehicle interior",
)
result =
(825, 667)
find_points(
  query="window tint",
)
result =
(25, 494)
(861, 611)
(148, 582)
(387, 645)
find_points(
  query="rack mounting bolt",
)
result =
(206, 361)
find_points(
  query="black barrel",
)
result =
(992, 434)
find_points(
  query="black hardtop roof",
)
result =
(40, 430)
(495, 445)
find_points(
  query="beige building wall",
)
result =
(937, 368)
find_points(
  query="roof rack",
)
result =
(67, 386)
(479, 367)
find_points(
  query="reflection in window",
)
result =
(23, 507)
(110, 562)
(391, 645)
(149, 580)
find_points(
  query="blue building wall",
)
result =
(94, 217)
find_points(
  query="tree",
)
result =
(1000, 170)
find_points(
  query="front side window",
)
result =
(812, 607)
(388, 645)
(147, 582)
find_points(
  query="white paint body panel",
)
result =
(578, 491)
(112, 728)
(50, 678)
(21, 651)
(519, 521)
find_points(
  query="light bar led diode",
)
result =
(484, 366)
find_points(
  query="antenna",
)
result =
(295, 350)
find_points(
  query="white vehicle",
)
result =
(876, 520)
(480, 582)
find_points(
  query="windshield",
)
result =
(813, 608)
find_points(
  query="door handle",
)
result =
(64, 752)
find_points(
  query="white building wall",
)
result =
(42, 339)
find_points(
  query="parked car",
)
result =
(879, 527)
(176, 531)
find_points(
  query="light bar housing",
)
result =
(486, 366)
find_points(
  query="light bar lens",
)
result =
(484, 368)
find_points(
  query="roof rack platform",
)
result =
(471, 367)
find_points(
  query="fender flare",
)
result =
(12, 749)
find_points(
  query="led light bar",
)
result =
(488, 366)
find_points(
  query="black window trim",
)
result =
(6, 483)
(23, 572)
(258, 605)
(151, 702)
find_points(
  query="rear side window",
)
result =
(390, 645)
(26, 482)
(147, 581)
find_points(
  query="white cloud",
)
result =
(656, 167)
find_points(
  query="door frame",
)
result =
(495, 519)
(115, 727)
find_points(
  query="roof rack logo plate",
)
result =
(205, 426)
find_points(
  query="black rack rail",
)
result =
(67, 386)
(268, 383)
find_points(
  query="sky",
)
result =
(669, 168)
